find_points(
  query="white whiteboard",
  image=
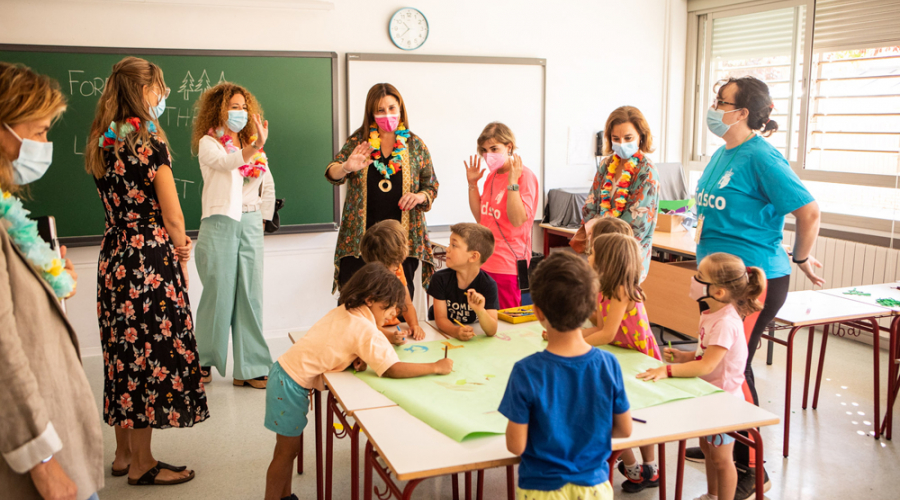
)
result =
(449, 100)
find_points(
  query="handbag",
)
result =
(275, 223)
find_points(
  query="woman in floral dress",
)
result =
(149, 351)
(626, 183)
(390, 176)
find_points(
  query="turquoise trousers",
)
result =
(229, 257)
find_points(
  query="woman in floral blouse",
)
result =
(146, 330)
(390, 177)
(625, 185)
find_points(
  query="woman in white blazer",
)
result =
(238, 197)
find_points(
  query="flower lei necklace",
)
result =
(258, 162)
(624, 182)
(23, 233)
(401, 136)
(118, 133)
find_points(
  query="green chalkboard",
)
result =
(298, 94)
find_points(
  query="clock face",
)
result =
(408, 29)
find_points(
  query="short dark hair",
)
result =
(753, 95)
(385, 242)
(477, 238)
(564, 288)
(376, 283)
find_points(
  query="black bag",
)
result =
(275, 223)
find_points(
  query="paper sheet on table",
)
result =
(464, 404)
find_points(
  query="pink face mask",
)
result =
(388, 123)
(495, 161)
(699, 290)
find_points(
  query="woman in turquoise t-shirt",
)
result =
(742, 197)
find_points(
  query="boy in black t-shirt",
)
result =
(464, 293)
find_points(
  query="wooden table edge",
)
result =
(696, 434)
(894, 312)
(841, 319)
(341, 402)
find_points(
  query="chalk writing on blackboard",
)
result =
(85, 88)
(184, 184)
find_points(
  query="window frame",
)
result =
(698, 71)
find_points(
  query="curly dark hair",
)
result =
(212, 112)
(752, 94)
(376, 283)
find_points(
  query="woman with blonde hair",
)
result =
(50, 433)
(238, 197)
(390, 176)
(147, 333)
(506, 206)
(626, 185)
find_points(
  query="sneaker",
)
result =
(648, 479)
(746, 483)
(694, 454)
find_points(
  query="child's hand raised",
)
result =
(443, 367)
(465, 333)
(476, 300)
(474, 172)
(359, 365)
(653, 374)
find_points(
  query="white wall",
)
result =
(600, 55)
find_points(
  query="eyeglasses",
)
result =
(165, 94)
(718, 102)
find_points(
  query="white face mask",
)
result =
(33, 161)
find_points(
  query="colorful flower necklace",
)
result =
(118, 133)
(258, 162)
(395, 163)
(24, 234)
(624, 182)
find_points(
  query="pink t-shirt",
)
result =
(725, 329)
(493, 208)
(333, 343)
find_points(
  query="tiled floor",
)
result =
(831, 455)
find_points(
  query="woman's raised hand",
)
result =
(474, 172)
(262, 131)
(360, 158)
(515, 168)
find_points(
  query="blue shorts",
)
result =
(286, 404)
(719, 439)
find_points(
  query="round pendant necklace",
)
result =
(385, 185)
(401, 136)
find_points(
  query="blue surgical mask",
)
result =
(156, 112)
(33, 161)
(625, 150)
(237, 120)
(715, 123)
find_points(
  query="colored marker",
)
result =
(639, 420)
(445, 352)
(458, 323)
(404, 337)
(670, 347)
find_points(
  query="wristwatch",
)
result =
(512, 187)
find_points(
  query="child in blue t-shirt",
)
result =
(565, 404)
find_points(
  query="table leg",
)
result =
(479, 489)
(821, 367)
(317, 407)
(787, 390)
(329, 443)
(809, 350)
(546, 243)
(757, 444)
(662, 470)
(354, 462)
(679, 471)
(770, 350)
(876, 340)
(410, 486)
(468, 479)
(455, 486)
(886, 426)
(368, 466)
(611, 461)
(510, 483)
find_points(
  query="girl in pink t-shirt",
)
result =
(506, 206)
(731, 290)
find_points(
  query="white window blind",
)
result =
(856, 24)
(763, 34)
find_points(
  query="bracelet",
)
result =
(344, 169)
(669, 371)
(47, 459)
(473, 186)
(799, 262)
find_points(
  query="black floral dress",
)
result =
(146, 329)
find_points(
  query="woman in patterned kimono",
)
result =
(146, 329)
(390, 176)
(626, 183)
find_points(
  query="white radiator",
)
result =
(847, 263)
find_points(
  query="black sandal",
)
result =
(149, 477)
(206, 374)
(120, 472)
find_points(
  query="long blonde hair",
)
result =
(122, 98)
(25, 96)
(618, 264)
(212, 112)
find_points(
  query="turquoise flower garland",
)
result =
(24, 234)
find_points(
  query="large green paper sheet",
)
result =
(464, 403)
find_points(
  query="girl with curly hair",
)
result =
(238, 197)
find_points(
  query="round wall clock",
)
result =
(408, 28)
